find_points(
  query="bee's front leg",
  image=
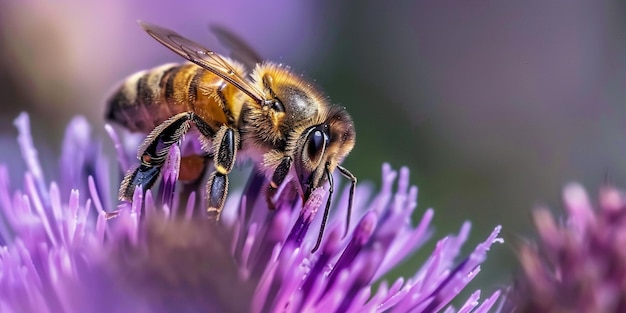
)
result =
(280, 173)
(225, 145)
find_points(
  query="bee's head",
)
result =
(321, 147)
(297, 121)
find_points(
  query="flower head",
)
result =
(68, 249)
(579, 263)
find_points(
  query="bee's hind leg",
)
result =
(153, 152)
(225, 145)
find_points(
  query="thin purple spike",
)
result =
(395, 294)
(578, 206)
(71, 220)
(372, 260)
(93, 192)
(149, 207)
(75, 147)
(137, 202)
(289, 275)
(403, 181)
(247, 247)
(360, 237)
(375, 301)
(299, 230)
(488, 303)
(360, 300)
(191, 202)
(238, 227)
(122, 158)
(330, 299)
(470, 303)
(330, 247)
(255, 186)
(381, 200)
(170, 170)
(35, 201)
(78, 233)
(101, 227)
(412, 240)
(261, 293)
(29, 153)
(274, 234)
(311, 297)
(55, 202)
(5, 197)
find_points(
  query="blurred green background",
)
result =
(494, 105)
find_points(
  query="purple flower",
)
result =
(67, 248)
(579, 263)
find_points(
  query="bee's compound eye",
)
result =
(277, 106)
(315, 146)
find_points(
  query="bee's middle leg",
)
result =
(225, 145)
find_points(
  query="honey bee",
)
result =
(268, 115)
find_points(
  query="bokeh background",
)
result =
(494, 105)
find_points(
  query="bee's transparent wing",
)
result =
(203, 57)
(240, 50)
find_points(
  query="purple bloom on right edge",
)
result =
(579, 262)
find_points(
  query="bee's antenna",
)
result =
(344, 171)
(318, 243)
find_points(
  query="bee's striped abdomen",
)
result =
(148, 98)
